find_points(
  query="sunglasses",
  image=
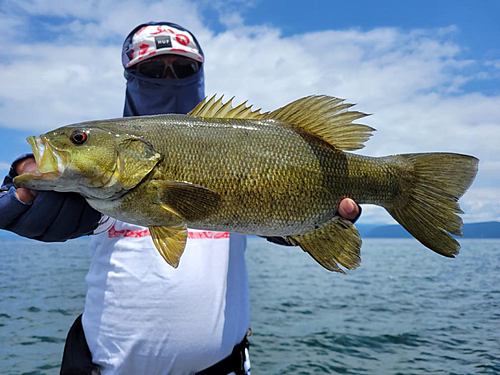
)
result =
(180, 67)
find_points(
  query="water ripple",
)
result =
(404, 311)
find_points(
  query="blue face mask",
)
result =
(152, 96)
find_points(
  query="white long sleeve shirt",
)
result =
(144, 317)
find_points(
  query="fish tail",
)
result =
(427, 204)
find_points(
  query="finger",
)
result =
(348, 209)
(26, 165)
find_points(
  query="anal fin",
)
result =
(335, 243)
(170, 242)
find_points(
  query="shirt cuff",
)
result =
(11, 207)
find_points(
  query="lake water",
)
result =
(406, 310)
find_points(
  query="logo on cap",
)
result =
(182, 39)
(163, 42)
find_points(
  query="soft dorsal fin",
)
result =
(323, 116)
(327, 118)
(216, 109)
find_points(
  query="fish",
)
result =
(281, 173)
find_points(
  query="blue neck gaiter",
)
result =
(153, 96)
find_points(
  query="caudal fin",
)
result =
(428, 206)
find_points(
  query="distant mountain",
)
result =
(490, 229)
(365, 229)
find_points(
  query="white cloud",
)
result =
(98, 20)
(47, 89)
(412, 82)
(481, 204)
(78, 75)
(494, 63)
(372, 214)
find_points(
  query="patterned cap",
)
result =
(156, 40)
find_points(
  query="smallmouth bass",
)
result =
(281, 173)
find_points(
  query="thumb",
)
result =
(26, 166)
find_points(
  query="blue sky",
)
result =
(477, 20)
(428, 71)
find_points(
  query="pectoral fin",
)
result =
(336, 242)
(170, 242)
(189, 201)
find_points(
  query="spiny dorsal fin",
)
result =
(326, 117)
(323, 116)
(216, 109)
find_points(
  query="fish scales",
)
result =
(272, 179)
(281, 173)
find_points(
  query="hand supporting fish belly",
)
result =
(281, 173)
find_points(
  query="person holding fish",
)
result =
(142, 316)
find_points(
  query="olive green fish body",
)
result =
(282, 174)
(272, 179)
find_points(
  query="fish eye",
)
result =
(78, 137)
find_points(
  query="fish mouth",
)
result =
(51, 162)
